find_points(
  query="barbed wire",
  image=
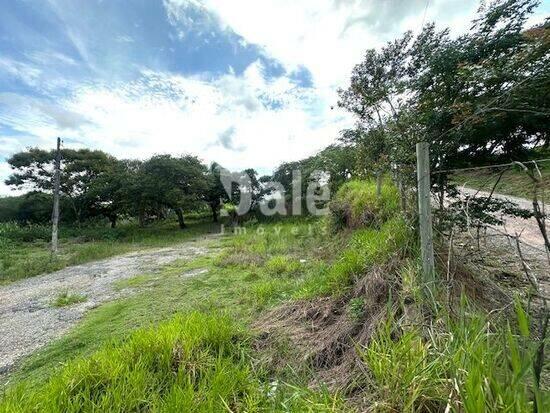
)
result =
(502, 165)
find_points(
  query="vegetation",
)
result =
(24, 250)
(332, 314)
(469, 366)
(514, 180)
(197, 361)
(475, 98)
(133, 354)
(65, 299)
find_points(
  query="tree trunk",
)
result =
(113, 219)
(181, 221)
(214, 213)
(141, 217)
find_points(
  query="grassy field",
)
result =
(514, 181)
(186, 336)
(236, 280)
(24, 251)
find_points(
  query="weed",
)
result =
(470, 366)
(356, 307)
(281, 265)
(65, 299)
(368, 247)
(356, 205)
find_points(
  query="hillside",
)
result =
(294, 315)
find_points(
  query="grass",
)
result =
(24, 251)
(242, 287)
(368, 247)
(356, 205)
(514, 182)
(175, 343)
(234, 289)
(195, 362)
(66, 299)
(467, 365)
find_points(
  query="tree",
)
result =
(215, 193)
(111, 194)
(483, 94)
(179, 183)
(33, 169)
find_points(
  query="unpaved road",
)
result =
(28, 321)
(527, 228)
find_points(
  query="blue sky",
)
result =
(248, 83)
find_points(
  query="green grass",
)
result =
(243, 288)
(195, 362)
(24, 252)
(356, 205)
(368, 247)
(230, 288)
(466, 364)
(65, 299)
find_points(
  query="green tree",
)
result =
(473, 97)
(33, 170)
(111, 194)
(179, 183)
(215, 194)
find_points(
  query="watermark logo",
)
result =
(273, 198)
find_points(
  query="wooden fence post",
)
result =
(425, 211)
(378, 184)
(402, 196)
(56, 184)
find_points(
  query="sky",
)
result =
(246, 83)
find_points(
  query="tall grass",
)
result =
(193, 363)
(368, 247)
(357, 205)
(466, 365)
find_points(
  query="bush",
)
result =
(466, 365)
(367, 248)
(356, 205)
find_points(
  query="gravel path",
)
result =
(528, 228)
(28, 320)
(500, 249)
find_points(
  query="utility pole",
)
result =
(56, 184)
(425, 211)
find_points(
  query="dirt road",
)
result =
(28, 320)
(528, 228)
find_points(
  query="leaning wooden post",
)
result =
(378, 183)
(56, 184)
(425, 211)
(402, 196)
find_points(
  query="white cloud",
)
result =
(329, 36)
(28, 74)
(270, 120)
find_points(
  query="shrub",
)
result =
(356, 205)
